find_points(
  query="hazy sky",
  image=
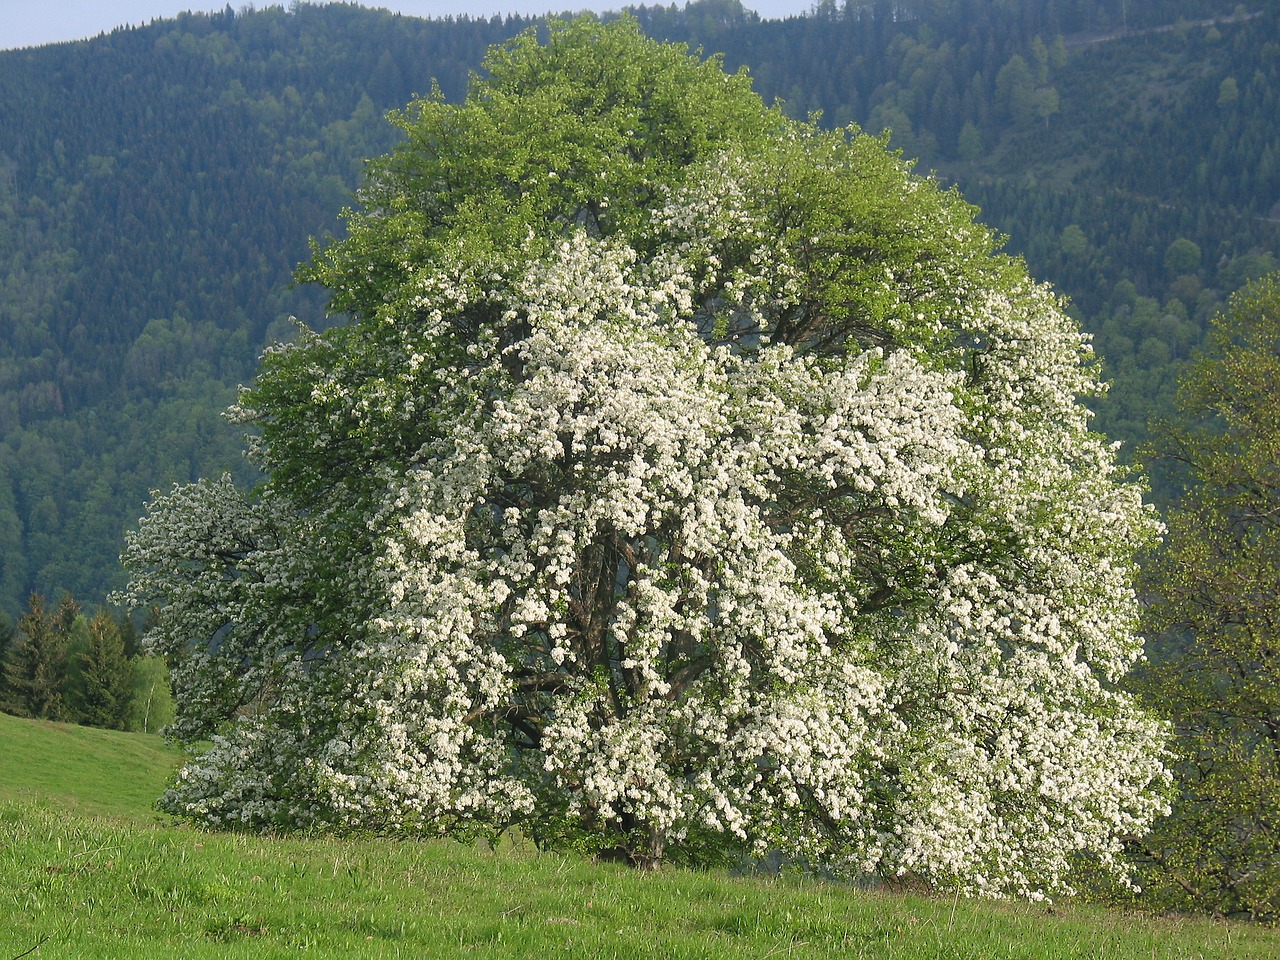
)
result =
(27, 23)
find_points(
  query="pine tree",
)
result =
(36, 664)
(106, 677)
(7, 636)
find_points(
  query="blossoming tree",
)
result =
(687, 482)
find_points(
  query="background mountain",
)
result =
(158, 185)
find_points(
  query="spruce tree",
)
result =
(7, 636)
(106, 677)
(36, 663)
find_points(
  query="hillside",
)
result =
(89, 771)
(159, 184)
(86, 872)
(157, 188)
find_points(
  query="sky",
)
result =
(29, 23)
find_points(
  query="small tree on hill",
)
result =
(36, 665)
(106, 678)
(688, 482)
(151, 706)
(1218, 584)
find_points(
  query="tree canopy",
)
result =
(687, 482)
(1217, 586)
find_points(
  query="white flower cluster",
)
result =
(754, 538)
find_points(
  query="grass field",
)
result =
(88, 871)
(82, 770)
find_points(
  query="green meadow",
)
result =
(88, 870)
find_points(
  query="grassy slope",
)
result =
(83, 770)
(86, 871)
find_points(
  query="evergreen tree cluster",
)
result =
(58, 664)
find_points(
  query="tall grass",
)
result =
(86, 871)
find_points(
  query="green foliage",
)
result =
(7, 635)
(58, 665)
(36, 663)
(106, 680)
(1182, 257)
(1016, 92)
(1218, 609)
(151, 706)
(515, 153)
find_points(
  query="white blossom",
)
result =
(713, 529)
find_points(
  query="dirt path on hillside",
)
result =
(1085, 39)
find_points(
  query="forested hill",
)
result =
(158, 185)
(157, 188)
